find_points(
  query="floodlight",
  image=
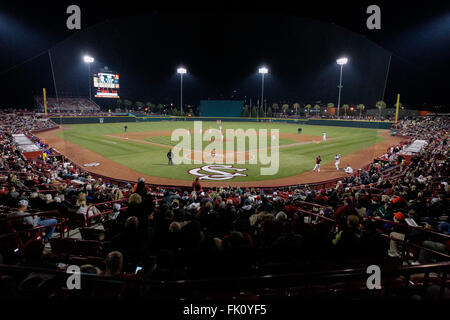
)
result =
(88, 59)
(263, 70)
(342, 61)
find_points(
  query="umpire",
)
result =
(169, 156)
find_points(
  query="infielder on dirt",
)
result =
(338, 161)
(317, 166)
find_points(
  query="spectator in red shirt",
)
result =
(196, 186)
(343, 212)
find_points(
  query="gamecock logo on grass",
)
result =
(215, 172)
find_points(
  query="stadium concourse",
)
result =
(54, 214)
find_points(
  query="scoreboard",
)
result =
(107, 85)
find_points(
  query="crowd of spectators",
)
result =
(215, 232)
(68, 105)
(23, 122)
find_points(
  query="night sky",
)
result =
(223, 46)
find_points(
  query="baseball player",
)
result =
(338, 161)
(317, 166)
(324, 136)
(125, 128)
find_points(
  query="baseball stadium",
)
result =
(141, 151)
(253, 189)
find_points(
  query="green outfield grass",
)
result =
(152, 160)
(166, 140)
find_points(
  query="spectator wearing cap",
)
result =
(21, 211)
(49, 203)
(36, 221)
(247, 205)
(178, 211)
(116, 211)
(398, 218)
(61, 205)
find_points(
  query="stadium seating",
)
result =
(67, 105)
(303, 236)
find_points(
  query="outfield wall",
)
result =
(140, 118)
(320, 122)
(92, 119)
(351, 123)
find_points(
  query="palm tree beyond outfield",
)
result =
(380, 105)
(296, 107)
(317, 108)
(330, 106)
(308, 107)
(360, 107)
(345, 107)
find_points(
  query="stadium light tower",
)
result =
(181, 71)
(341, 62)
(263, 71)
(89, 60)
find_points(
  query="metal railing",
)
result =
(88, 218)
(61, 224)
(396, 282)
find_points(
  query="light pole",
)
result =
(341, 62)
(262, 71)
(181, 71)
(89, 60)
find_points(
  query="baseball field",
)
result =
(142, 150)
